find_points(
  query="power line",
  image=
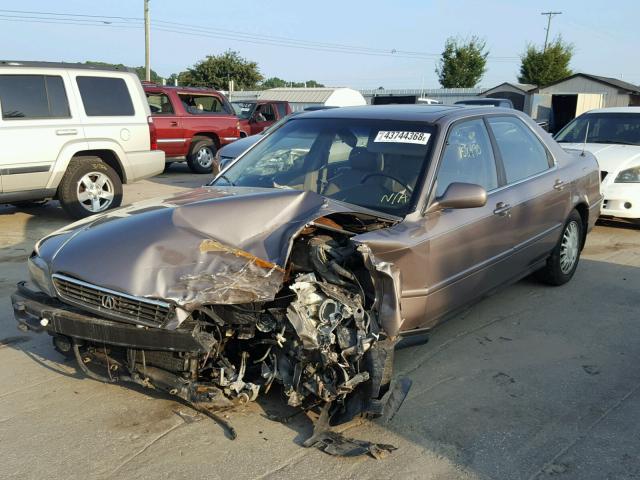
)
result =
(218, 33)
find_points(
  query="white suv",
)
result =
(75, 133)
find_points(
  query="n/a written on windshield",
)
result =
(418, 138)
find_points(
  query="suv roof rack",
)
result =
(29, 63)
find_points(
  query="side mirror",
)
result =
(460, 195)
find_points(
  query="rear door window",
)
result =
(282, 109)
(25, 97)
(159, 104)
(105, 96)
(523, 154)
(201, 104)
(467, 158)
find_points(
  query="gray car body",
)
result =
(431, 263)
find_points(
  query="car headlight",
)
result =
(39, 273)
(630, 175)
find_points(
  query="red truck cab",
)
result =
(191, 123)
(257, 115)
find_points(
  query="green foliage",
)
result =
(215, 71)
(463, 63)
(542, 67)
(140, 71)
(275, 82)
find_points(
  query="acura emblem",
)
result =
(108, 302)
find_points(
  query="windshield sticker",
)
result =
(418, 138)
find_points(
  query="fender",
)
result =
(74, 147)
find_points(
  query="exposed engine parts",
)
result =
(319, 339)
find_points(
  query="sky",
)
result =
(605, 36)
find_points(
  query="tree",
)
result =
(274, 82)
(542, 67)
(463, 63)
(215, 71)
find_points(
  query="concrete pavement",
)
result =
(533, 382)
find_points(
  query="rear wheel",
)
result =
(202, 156)
(562, 263)
(89, 186)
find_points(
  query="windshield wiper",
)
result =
(227, 179)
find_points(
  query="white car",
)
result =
(75, 133)
(613, 136)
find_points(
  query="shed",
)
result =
(301, 98)
(564, 100)
(518, 93)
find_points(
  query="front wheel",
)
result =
(89, 186)
(562, 263)
(202, 156)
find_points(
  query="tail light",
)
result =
(153, 134)
(238, 127)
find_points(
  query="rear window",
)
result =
(105, 96)
(26, 97)
(201, 104)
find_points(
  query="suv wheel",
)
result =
(89, 186)
(202, 156)
(562, 263)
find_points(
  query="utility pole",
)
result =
(549, 16)
(147, 33)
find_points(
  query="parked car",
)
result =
(428, 101)
(192, 123)
(229, 153)
(75, 133)
(258, 115)
(311, 256)
(613, 136)
(487, 102)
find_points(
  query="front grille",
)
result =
(603, 175)
(111, 304)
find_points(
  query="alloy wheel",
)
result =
(570, 247)
(95, 192)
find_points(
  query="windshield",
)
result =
(244, 110)
(620, 128)
(277, 125)
(375, 164)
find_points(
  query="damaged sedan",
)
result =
(306, 262)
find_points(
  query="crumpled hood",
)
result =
(611, 157)
(210, 245)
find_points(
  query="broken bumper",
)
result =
(36, 311)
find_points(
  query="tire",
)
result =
(562, 263)
(202, 156)
(84, 173)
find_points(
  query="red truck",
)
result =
(257, 115)
(191, 123)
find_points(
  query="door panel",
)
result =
(168, 124)
(467, 246)
(467, 253)
(534, 190)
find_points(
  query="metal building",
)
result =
(518, 93)
(562, 101)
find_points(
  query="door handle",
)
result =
(174, 124)
(559, 185)
(67, 131)
(502, 209)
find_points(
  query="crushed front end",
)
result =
(322, 327)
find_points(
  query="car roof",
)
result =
(615, 110)
(416, 113)
(155, 86)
